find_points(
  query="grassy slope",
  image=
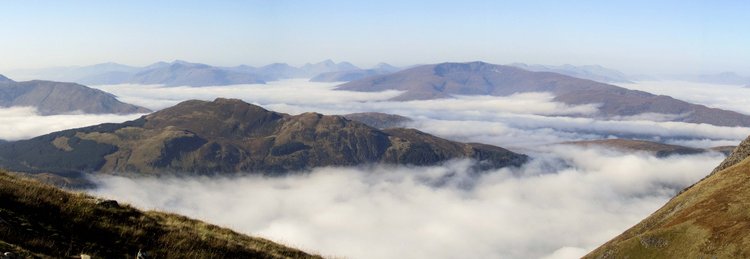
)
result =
(711, 219)
(43, 221)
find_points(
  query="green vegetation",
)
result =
(39, 220)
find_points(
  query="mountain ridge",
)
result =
(184, 73)
(231, 136)
(50, 98)
(479, 78)
(590, 72)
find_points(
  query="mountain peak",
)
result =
(473, 66)
(230, 135)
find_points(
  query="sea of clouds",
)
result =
(565, 202)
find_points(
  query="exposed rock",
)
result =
(739, 154)
(107, 203)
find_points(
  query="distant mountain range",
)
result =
(182, 73)
(229, 135)
(478, 78)
(59, 98)
(355, 74)
(709, 219)
(590, 72)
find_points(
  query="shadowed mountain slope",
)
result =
(478, 78)
(58, 98)
(229, 135)
(710, 219)
(41, 221)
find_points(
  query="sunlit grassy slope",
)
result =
(710, 219)
(39, 220)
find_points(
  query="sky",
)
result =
(638, 37)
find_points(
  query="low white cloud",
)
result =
(729, 97)
(24, 122)
(529, 131)
(523, 120)
(562, 204)
(291, 91)
(651, 116)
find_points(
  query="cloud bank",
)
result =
(522, 120)
(24, 122)
(564, 203)
(729, 97)
(561, 205)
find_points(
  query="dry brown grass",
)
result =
(39, 220)
(708, 220)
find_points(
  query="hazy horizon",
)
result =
(636, 37)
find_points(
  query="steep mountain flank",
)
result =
(710, 219)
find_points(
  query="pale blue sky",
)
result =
(650, 37)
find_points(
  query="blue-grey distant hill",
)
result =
(4, 79)
(356, 74)
(50, 98)
(478, 78)
(182, 73)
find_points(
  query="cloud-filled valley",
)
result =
(564, 203)
(502, 120)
